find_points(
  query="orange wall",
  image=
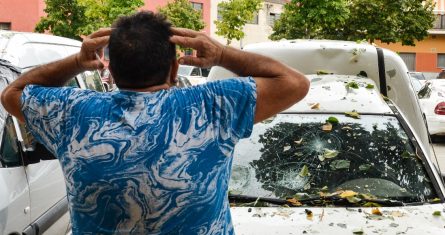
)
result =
(23, 14)
(426, 52)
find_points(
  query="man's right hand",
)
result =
(208, 51)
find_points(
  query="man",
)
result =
(148, 159)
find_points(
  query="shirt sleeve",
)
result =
(44, 110)
(231, 105)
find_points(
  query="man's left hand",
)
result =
(92, 49)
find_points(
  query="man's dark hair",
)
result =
(140, 51)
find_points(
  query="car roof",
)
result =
(337, 97)
(13, 44)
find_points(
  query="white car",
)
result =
(32, 192)
(432, 101)
(344, 160)
(194, 75)
(417, 80)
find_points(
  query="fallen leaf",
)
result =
(322, 72)
(353, 199)
(397, 214)
(348, 193)
(353, 114)
(376, 211)
(357, 231)
(332, 120)
(346, 128)
(315, 106)
(353, 85)
(294, 202)
(407, 154)
(371, 204)
(340, 164)
(369, 86)
(286, 148)
(364, 167)
(327, 127)
(325, 189)
(437, 213)
(328, 153)
(298, 141)
(304, 171)
(309, 214)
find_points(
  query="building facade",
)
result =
(428, 55)
(23, 15)
(259, 29)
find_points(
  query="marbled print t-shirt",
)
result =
(145, 163)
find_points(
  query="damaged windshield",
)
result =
(295, 154)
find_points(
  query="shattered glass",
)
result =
(292, 154)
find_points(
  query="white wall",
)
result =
(253, 32)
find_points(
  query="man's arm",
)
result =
(56, 73)
(278, 86)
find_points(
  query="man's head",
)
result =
(141, 54)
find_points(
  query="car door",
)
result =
(14, 191)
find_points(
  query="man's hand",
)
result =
(92, 49)
(209, 52)
(57, 73)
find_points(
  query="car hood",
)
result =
(393, 220)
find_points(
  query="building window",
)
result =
(5, 25)
(254, 19)
(441, 60)
(439, 23)
(219, 15)
(410, 60)
(272, 18)
(197, 6)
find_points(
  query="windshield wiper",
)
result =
(314, 201)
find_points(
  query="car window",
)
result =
(72, 83)
(10, 154)
(195, 72)
(425, 91)
(93, 81)
(184, 70)
(205, 72)
(292, 154)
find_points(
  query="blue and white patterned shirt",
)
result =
(145, 163)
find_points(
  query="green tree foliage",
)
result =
(73, 18)
(182, 14)
(64, 18)
(311, 19)
(102, 13)
(234, 15)
(389, 21)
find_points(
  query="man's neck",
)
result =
(156, 88)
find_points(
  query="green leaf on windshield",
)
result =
(328, 153)
(353, 199)
(304, 171)
(364, 167)
(332, 120)
(353, 114)
(407, 154)
(340, 164)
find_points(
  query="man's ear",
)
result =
(174, 71)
